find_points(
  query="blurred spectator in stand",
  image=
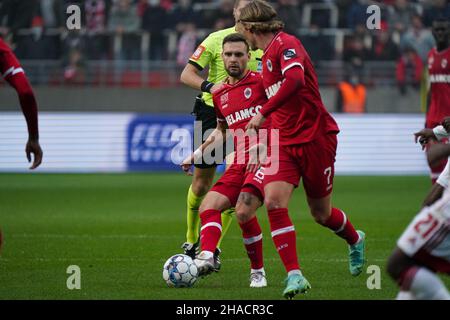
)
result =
(321, 17)
(351, 95)
(355, 52)
(96, 14)
(418, 38)
(319, 46)
(185, 20)
(74, 69)
(222, 18)
(289, 12)
(357, 13)
(183, 16)
(31, 45)
(409, 70)
(141, 6)
(155, 20)
(400, 16)
(383, 48)
(123, 21)
(343, 8)
(436, 9)
(186, 44)
(53, 18)
(16, 15)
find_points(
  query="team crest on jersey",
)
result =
(444, 63)
(269, 65)
(247, 93)
(198, 53)
(289, 54)
(224, 98)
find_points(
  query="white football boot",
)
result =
(258, 280)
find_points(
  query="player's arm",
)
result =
(293, 79)
(438, 133)
(215, 140)
(202, 57)
(437, 152)
(20, 83)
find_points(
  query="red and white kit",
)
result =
(13, 73)
(307, 131)
(439, 77)
(236, 105)
(9, 65)
(427, 238)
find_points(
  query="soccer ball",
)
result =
(180, 271)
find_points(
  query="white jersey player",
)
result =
(424, 247)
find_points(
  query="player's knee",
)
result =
(206, 205)
(243, 214)
(320, 215)
(200, 187)
(273, 203)
(397, 264)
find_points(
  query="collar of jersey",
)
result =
(245, 77)
(272, 41)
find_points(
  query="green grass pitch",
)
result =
(120, 228)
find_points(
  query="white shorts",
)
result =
(427, 238)
(444, 177)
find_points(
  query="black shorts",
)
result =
(206, 115)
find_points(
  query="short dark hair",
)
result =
(235, 37)
(440, 19)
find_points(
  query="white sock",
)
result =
(405, 295)
(258, 270)
(206, 254)
(297, 271)
(426, 285)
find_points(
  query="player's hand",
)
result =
(446, 124)
(257, 156)
(256, 122)
(186, 165)
(437, 152)
(424, 136)
(34, 147)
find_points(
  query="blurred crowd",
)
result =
(37, 29)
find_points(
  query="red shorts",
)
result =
(236, 180)
(312, 161)
(9, 65)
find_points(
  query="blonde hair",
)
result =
(260, 17)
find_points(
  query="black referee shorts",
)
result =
(207, 116)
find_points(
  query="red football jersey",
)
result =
(303, 115)
(439, 74)
(237, 104)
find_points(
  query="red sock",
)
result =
(339, 223)
(211, 229)
(252, 234)
(283, 235)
